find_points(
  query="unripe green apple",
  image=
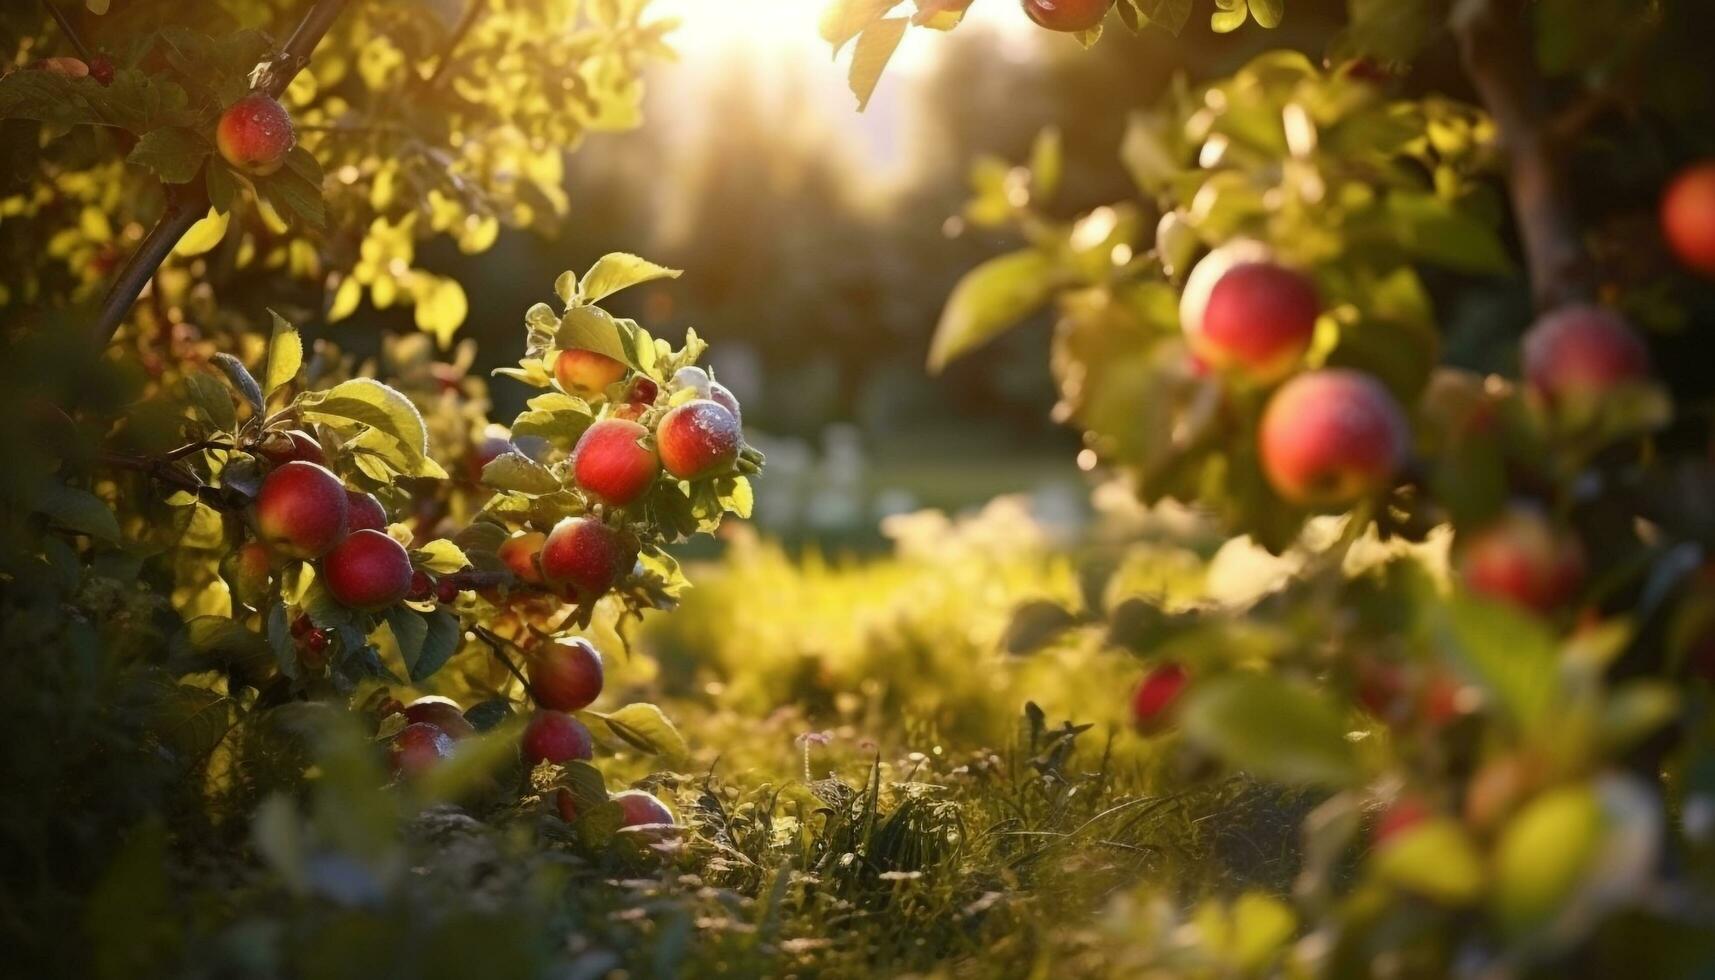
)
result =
(1331, 437)
(1583, 352)
(566, 675)
(554, 736)
(417, 749)
(1247, 315)
(246, 571)
(1067, 16)
(300, 510)
(1156, 696)
(293, 444)
(521, 552)
(1688, 217)
(1523, 559)
(363, 512)
(255, 134)
(586, 557)
(697, 439)
(643, 809)
(612, 464)
(586, 373)
(443, 713)
(368, 571)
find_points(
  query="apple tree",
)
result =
(1490, 659)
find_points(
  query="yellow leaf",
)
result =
(875, 46)
(204, 235)
(345, 299)
(441, 309)
(285, 355)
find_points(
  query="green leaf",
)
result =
(1268, 12)
(1169, 15)
(1508, 653)
(211, 642)
(586, 784)
(296, 189)
(240, 377)
(1036, 625)
(516, 472)
(1271, 728)
(439, 645)
(1436, 231)
(875, 48)
(77, 510)
(364, 401)
(644, 727)
(1230, 16)
(1391, 30)
(440, 556)
(1434, 858)
(173, 153)
(1046, 163)
(409, 630)
(560, 418)
(990, 298)
(593, 328)
(212, 400)
(285, 355)
(620, 270)
(222, 187)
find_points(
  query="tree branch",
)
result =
(188, 203)
(69, 31)
(471, 12)
(1494, 40)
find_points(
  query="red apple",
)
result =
(418, 749)
(1331, 437)
(586, 373)
(284, 447)
(586, 557)
(255, 134)
(368, 571)
(300, 510)
(443, 713)
(101, 69)
(1688, 217)
(1583, 352)
(1067, 16)
(1404, 813)
(363, 512)
(566, 675)
(1523, 559)
(643, 809)
(553, 736)
(521, 553)
(1246, 315)
(1156, 696)
(612, 464)
(697, 439)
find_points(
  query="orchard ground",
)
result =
(1110, 488)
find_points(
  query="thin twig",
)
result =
(70, 32)
(498, 643)
(472, 11)
(187, 203)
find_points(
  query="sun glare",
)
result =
(788, 30)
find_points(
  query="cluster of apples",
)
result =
(617, 461)
(303, 512)
(565, 677)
